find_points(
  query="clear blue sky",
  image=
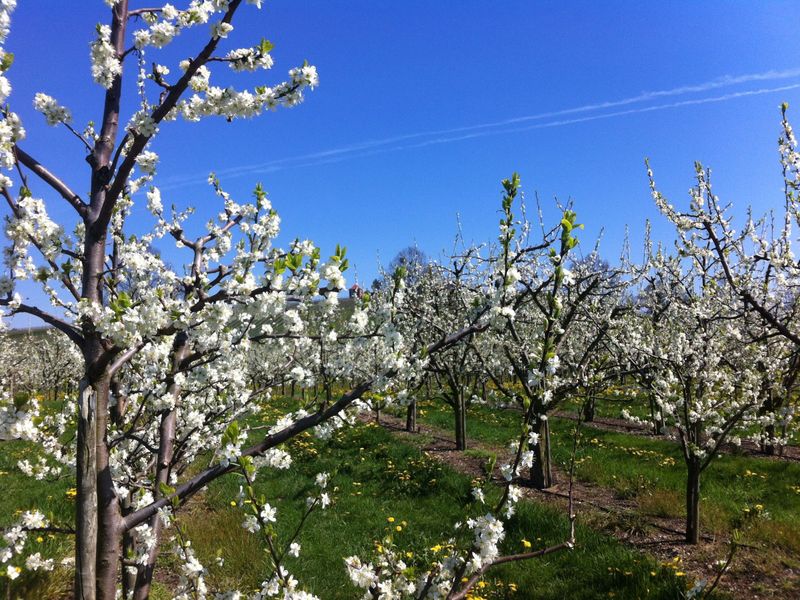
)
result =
(435, 71)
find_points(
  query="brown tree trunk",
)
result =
(97, 511)
(109, 515)
(460, 410)
(693, 501)
(589, 408)
(86, 500)
(768, 433)
(542, 469)
(655, 416)
(411, 416)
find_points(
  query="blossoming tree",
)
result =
(167, 354)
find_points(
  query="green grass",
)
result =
(652, 470)
(377, 477)
(612, 402)
(18, 493)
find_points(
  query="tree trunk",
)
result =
(769, 434)
(97, 511)
(411, 416)
(109, 514)
(588, 409)
(655, 416)
(86, 500)
(542, 468)
(460, 410)
(693, 501)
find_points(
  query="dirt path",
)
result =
(602, 508)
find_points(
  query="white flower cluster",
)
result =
(489, 532)
(15, 538)
(231, 103)
(167, 25)
(248, 59)
(106, 65)
(11, 129)
(32, 224)
(53, 112)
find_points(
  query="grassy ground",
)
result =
(56, 500)
(652, 470)
(375, 477)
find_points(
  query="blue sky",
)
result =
(390, 149)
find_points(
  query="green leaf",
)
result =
(265, 47)
(120, 304)
(8, 60)
(231, 435)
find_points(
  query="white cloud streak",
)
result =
(514, 125)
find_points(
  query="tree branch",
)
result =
(198, 482)
(54, 182)
(64, 327)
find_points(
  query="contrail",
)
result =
(371, 147)
(609, 115)
(279, 165)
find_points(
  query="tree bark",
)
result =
(589, 408)
(86, 500)
(460, 410)
(655, 416)
(768, 433)
(411, 416)
(542, 468)
(693, 501)
(109, 514)
(96, 500)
